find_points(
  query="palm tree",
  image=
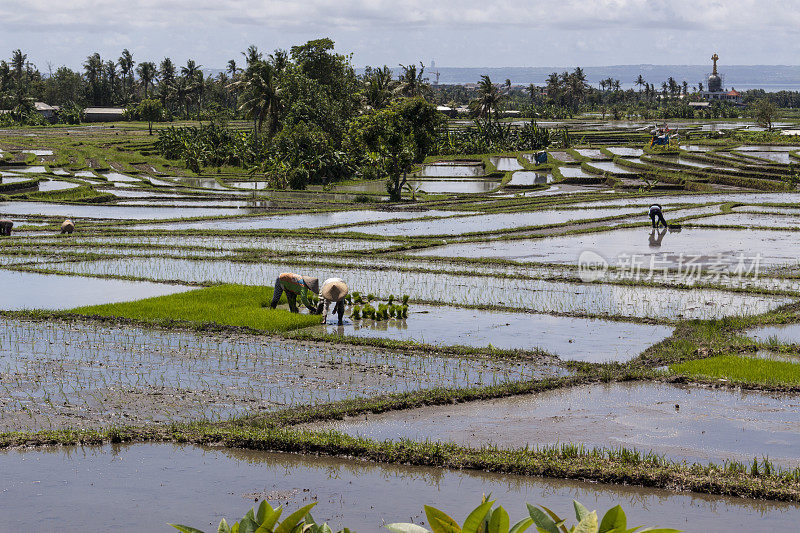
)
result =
(378, 84)
(488, 98)
(93, 68)
(280, 60)
(412, 83)
(194, 80)
(640, 82)
(252, 55)
(147, 73)
(232, 68)
(110, 74)
(18, 60)
(262, 96)
(126, 68)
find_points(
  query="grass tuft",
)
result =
(742, 369)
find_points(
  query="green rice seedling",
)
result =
(356, 313)
(405, 299)
(404, 311)
(370, 297)
(390, 300)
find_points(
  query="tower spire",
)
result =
(714, 58)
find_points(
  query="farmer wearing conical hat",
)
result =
(333, 290)
(294, 285)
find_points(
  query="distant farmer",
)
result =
(655, 212)
(5, 227)
(295, 285)
(333, 290)
(67, 227)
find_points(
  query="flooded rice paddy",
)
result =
(315, 220)
(486, 223)
(581, 339)
(55, 375)
(145, 483)
(680, 422)
(667, 248)
(524, 294)
(27, 290)
(460, 289)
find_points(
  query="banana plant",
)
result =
(484, 519)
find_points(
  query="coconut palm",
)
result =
(126, 64)
(488, 99)
(411, 82)
(378, 85)
(640, 82)
(18, 60)
(93, 68)
(147, 74)
(111, 78)
(261, 95)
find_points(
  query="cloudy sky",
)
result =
(460, 33)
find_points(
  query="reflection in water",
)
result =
(656, 238)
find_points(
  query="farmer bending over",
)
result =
(655, 212)
(333, 290)
(294, 284)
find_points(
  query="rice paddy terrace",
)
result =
(554, 345)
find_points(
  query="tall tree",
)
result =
(147, 74)
(412, 82)
(488, 100)
(93, 70)
(261, 95)
(126, 64)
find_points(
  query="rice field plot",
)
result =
(293, 221)
(88, 375)
(581, 339)
(111, 212)
(112, 480)
(30, 290)
(679, 422)
(706, 247)
(466, 290)
(486, 223)
(224, 243)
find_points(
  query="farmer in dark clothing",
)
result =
(295, 285)
(655, 212)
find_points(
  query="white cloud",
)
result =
(456, 32)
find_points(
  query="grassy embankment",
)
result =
(227, 305)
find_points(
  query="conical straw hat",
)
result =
(334, 291)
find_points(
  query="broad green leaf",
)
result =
(614, 519)
(405, 527)
(661, 530)
(235, 527)
(475, 518)
(522, 525)
(499, 522)
(223, 527)
(248, 525)
(580, 510)
(185, 529)
(559, 521)
(326, 528)
(432, 513)
(288, 524)
(541, 519)
(440, 526)
(588, 524)
(264, 510)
